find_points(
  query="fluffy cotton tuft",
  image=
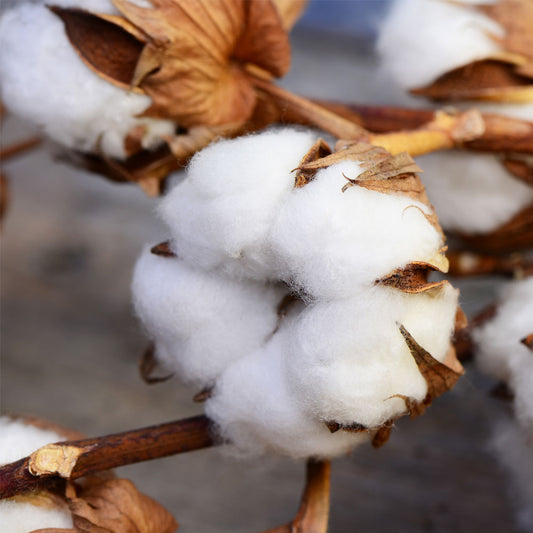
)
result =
(220, 216)
(422, 39)
(17, 440)
(326, 238)
(44, 81)
(201, 322)
(243, 235)
(472, 193)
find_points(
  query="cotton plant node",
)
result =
(96, 502)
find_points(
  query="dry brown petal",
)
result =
(148, 365)
(382, 435)
(163, 249)
(413, 278)
(528, 341)
(516, 17)
(439, 377)
(102, 44)
(519, 168)
(193, 66)
(290, 11)
(481, 80)
(318, 151)
(116, 506)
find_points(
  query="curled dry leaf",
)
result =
(516, 18)
(413, 278)
(192, 57)
(116, 506)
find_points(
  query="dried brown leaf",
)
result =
(413, 278)
(148, 365)
(516, 17)
(520, 168)
(528, 341)
(481, 80)
(104, 45)
(194, 64)
(163, 249)
(318, 151)
(116, 506)
(290, 11)
(439, 376)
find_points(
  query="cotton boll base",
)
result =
(45, 82)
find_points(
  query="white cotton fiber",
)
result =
(44, 81)
(220, 215)
(347, 358)
(337, 356)
(331, 241)
(17, 440)
(514, 449)
(472, 193)
(499, 350)
(422, 39)
(255, 408)
(201, 322)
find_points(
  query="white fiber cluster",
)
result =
(243, 236)
(500, 353)
(422, 39)
(18, 439)
(499, 350)
(44, 81)
(472, 193)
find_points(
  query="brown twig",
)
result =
(502, 134)
(17, 148)
(313, 515)
(464, 264)
(74, 459)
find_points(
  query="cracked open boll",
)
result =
(294, 288)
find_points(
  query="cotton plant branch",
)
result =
(71, 460)
(313, 514)
(501, 133)
(467, 263)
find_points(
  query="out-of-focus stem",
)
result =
(313, 515)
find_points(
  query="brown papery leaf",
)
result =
(116, 506)
(290, 11)
(318, 151)
(481, 80)
(412, 279)
(163, 249)
(439, 377)
(195, 64)
(106, 47)
(516, 17)
(528, 341)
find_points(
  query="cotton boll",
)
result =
(514, 449)
(201, 322)
(472, 193)
(422, 39)
(330, 242)
(220, 215)
(348, 358)
(17, 440)
(499, 351)
(45, 82)
(255, 409)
